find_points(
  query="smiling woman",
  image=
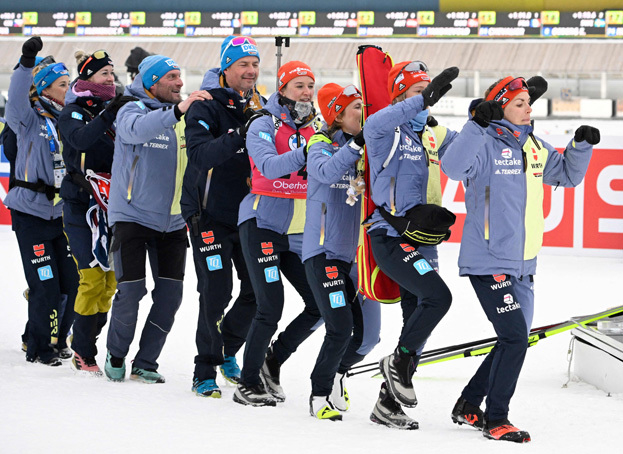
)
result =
(503, 233)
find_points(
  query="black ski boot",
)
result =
(502, 429)
(466, 413)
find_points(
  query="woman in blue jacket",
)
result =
(271, 220)
(87, 130)
(399, 166)
(36, 206)
(330, 240)
(504, 166)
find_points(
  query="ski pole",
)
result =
(279, 41)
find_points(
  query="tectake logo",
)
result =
(208, 237)
(331, 271)
(507, 153)
(508, 299)
(408, 140)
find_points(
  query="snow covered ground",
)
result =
(52, 410)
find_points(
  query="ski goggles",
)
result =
(351, 90)
(507, 89)
(240, 41)
(45, 77)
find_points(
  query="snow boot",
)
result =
(389, 413)
(255, 395)
(502, 429)
(466, 413)
(206, 388)
(397, 369)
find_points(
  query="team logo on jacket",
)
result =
(499, 131)
(535, 156)
(267, 248)
(293, 143)
(407, 247)
(331, 271)
(511, 304)
(39, 249)
(408, 140)
(208, 237)
(507, 153)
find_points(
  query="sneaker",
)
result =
(503, 430)
(339, 394)
(255, 395)
(466, 413)
(206, 388)
(149, 376)
(397, 369)
(86, 366)
(230, 370)
(321, 407)
(114, 368)
(54, 361)
(269, 373)
(388, 412)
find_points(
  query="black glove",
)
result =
(30, 49)
(588, 133)
(118, 102)
(251, 117)
(487, 111)
(537, 86)
(439, 86)
(359, 139)
(431, 121)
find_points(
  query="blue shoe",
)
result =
(206, 388)
(230, 370)
(146, 376)
(114, 373)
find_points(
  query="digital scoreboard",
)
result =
(421, 24)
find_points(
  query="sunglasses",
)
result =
(517, 84)
(239, 41)
(414, 66)
(59, 68)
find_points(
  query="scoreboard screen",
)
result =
(405, 24)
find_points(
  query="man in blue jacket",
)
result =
(144, 210)
(214, 185)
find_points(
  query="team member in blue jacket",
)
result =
(504, 166)
(331, 235)
(144, 210)
(36, 206)
(271, 221)
(399, 176)
(88, 134)
(214, 185)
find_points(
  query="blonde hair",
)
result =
(33, 91)
(80, 56)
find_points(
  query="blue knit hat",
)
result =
(154, 67)
(44, 78)
(237, 47)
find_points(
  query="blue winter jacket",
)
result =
(34, 157)
(271, 213)
(402, 184)
(503, 169)
(331, 225)
(215, 181)
(148, 164)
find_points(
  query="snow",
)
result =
(52, 410)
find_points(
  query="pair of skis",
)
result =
(484, 346)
